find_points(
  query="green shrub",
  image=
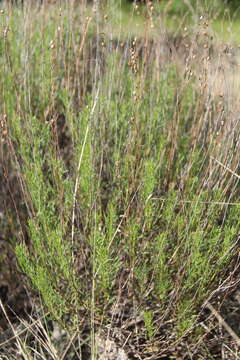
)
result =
(133, 191)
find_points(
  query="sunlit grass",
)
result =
(228, 30)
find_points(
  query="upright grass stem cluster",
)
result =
(122, 158)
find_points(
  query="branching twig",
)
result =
(223, 323)
(80, 162)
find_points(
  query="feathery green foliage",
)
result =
(114, 154)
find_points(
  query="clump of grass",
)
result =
(126, 167)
